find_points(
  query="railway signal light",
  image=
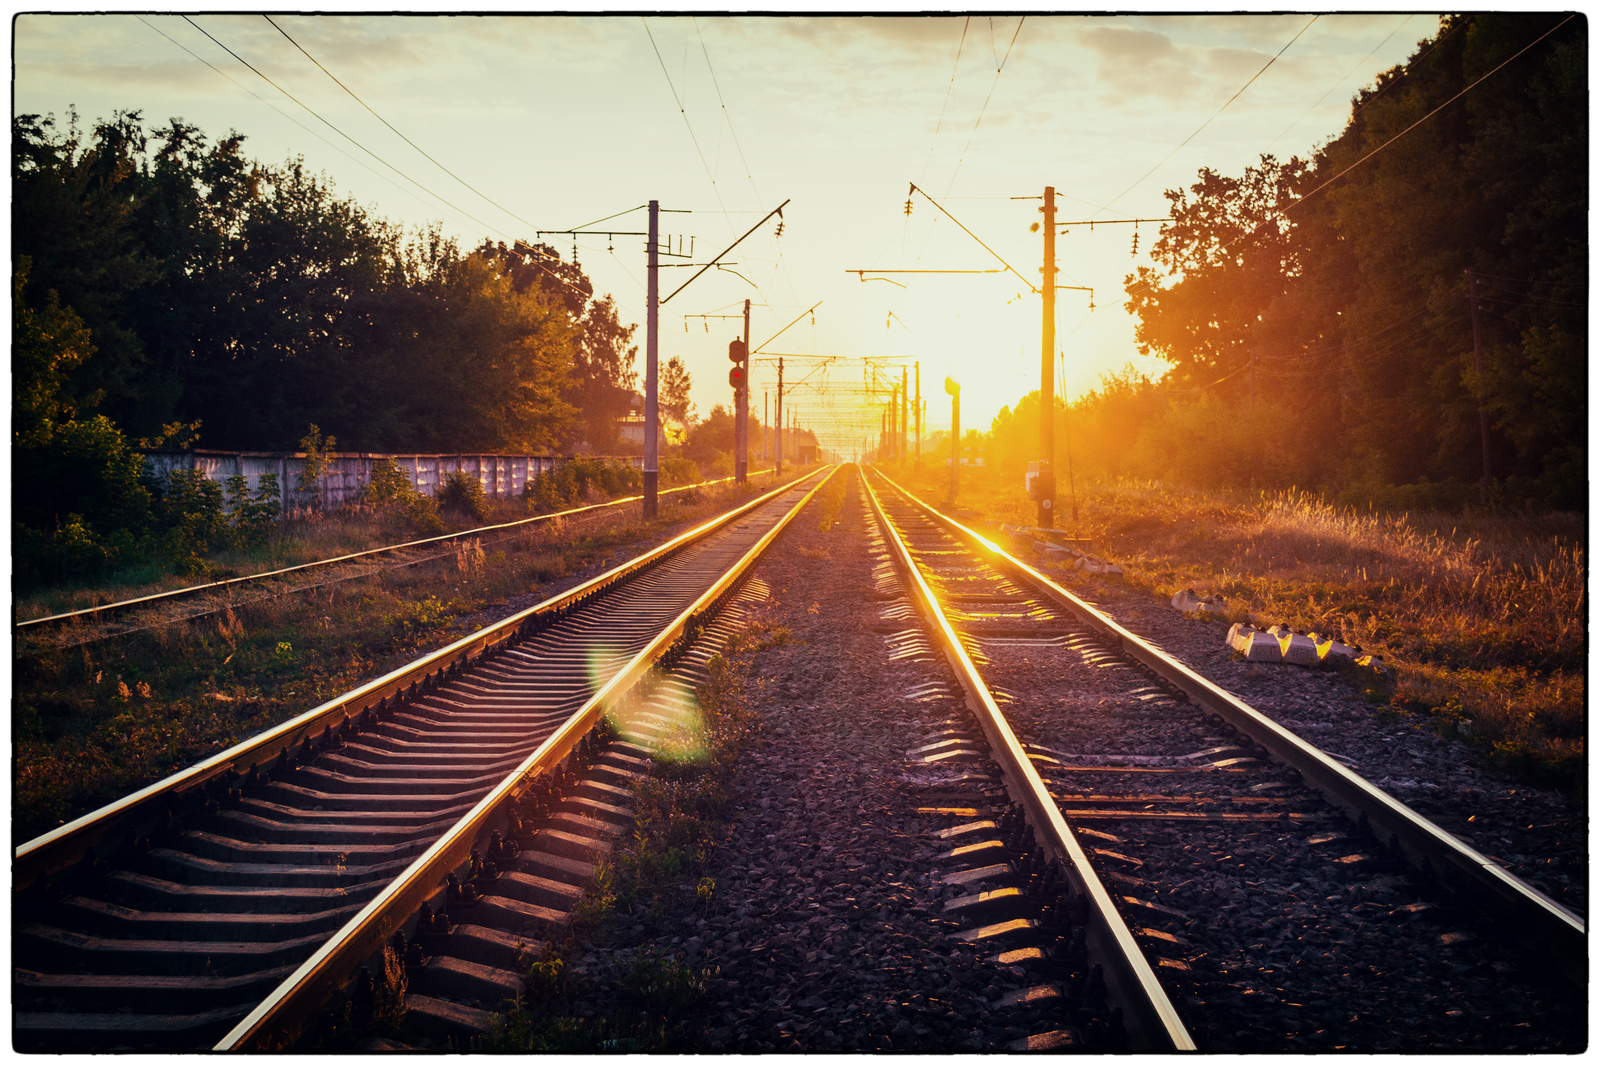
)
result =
(738, 351)
(736, 378)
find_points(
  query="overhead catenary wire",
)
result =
(949, 87)
(1481, 79)
(389, 124)
(245, 88)
(1340, 82)
(341, 132)
(997, 71)
(724, 105)
(686, 124)
(1214, 114)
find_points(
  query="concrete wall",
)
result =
(348, 472)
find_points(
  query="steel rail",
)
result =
(1541, 922)
(277, 1020)
(67, 845)
(1151, 1020)
(190, 590)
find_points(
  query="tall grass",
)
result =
(1480, 618)
(94, 721)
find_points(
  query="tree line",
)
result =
(167, 290)
(1316, 313)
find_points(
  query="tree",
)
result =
(603, 374)
(673, 391)
(1337, 288)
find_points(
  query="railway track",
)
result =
(231, 903)
(354, 565)
(1237, 888)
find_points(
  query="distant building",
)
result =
(630, 430)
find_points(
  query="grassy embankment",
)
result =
(92, 722)
(1480, 618)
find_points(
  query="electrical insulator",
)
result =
(1135, 242)
(737, 351)
(780, 229)
(736, 378)
(908, 207)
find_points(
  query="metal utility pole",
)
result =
(652, 418)
(741, 430)
(953, 387)
(905, 423)
(766, 430)
(779, 412)
(918, 409)
(1477, 356)
(1044, 485)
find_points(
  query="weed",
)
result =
(662, 984)
(463, 493)
(1480, 618)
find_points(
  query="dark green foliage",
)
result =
(161, 281)
(1345, 308)
(581, 480)
(463, 492)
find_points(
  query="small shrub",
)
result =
(676, 470)
(663, 984)
(319, 456)
(463, 492)
(423, 515)
(388, 485)
(253, 515)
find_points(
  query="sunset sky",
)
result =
(560, 121)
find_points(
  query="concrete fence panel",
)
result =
(348, 473)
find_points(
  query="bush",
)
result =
(579, 480)
(676, 470)
(463, 492)
(253, 515)
(388, 485)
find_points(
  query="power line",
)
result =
(1340, 82)
(1208, 121)
(386, 122)
(1420, 121)
(726, 117)
(282, 112)
(340, 132)
(939, 125)
(673, 89)
(985, 107)
(1408, 68)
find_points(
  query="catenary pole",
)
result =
(652, 418)
(741, 429)
(1044, 486)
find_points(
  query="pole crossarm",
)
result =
(775, 211)
(1031, 286)
(780, 333)
(1093, 222)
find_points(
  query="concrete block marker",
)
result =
(1280, 644)
(1298, 649)
(1255, 645)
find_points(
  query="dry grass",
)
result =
(1481, 619)
(92, 722)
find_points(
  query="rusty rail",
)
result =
(1151, 1020)
(1541, 922)
(278, 1018)
(137, 813)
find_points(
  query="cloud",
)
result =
(1135, 63)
